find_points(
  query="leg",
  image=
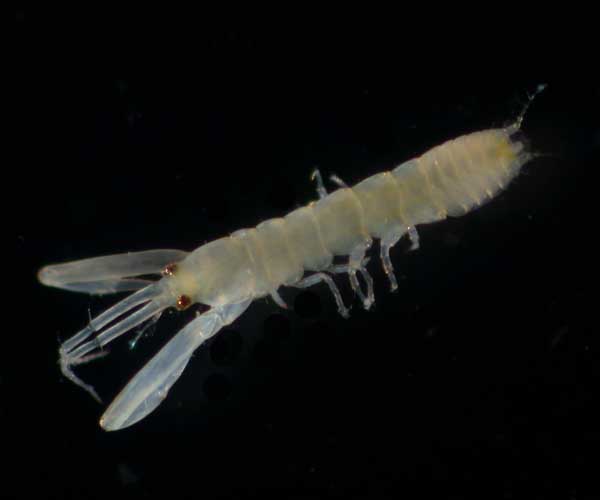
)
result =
(336, 180)
(137, 318)
(387, 242)
(318, 277)
(414, 237)
(355, 263)
(278, 300)
(352, 269)
(78, 349)
(316, 175)
(344, 268)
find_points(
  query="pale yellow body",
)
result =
(448, 180)
(229, 273)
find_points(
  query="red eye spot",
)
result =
(183, 302)
(169, 270)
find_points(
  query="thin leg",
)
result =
(387, 242)
(316, 176)
(344, 268)
(355, 264)
(414, 238)
(347, 268)
(317, 278)
(370, 293)
(335, 179)
(278, 300)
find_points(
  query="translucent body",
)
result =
(229, 273)
(448, 180)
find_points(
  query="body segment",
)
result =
(305, 238)
(341, 219)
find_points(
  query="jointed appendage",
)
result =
(278, 300)
(413, 235)
(316, 176)
(321, 191)
(313, 279)
(150, 386)
(386, 243)
(101, 275)
(65, 363)
(356, 264)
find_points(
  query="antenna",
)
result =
(514, 127)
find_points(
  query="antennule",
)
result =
(514, 127)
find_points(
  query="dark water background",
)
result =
(479, 378)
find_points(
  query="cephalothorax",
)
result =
(229, 273)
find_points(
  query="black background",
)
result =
(477, 379)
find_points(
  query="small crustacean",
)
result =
(229, 273)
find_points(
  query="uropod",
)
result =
(296, 250)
